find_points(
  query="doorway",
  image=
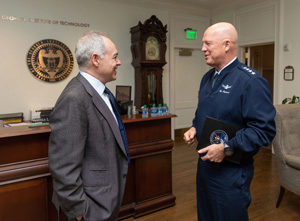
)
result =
(189, 68)
(261, 58)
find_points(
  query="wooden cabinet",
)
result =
(149, 181)
(26, 186)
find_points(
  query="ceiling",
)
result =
(210, 4)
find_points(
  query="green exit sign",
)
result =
(190, 34)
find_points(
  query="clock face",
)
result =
(152, 49)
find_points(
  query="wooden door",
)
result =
(262, 60)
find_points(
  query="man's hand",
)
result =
(214, 153)
(189, 136)
(79, 218)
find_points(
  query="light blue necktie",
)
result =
(119, 119)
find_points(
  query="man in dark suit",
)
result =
(88, 151)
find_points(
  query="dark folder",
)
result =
(216, 131)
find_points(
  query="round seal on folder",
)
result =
(218, 136)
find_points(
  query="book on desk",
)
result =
(12, 117)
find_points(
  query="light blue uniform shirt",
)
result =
(219, 72)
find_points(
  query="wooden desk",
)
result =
(26, 186)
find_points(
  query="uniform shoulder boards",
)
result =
(247, 69)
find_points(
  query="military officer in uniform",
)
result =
(235, 94)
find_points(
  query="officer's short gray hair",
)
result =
(90, 43)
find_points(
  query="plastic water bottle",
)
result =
(133, 110)
(144, 111)
(159, 110)
(129, 111)
(165, 110)
(153, 111)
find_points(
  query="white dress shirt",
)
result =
(99, 87)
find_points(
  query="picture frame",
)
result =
(288, 73)
(123, 93)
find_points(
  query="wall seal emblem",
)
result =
(50, 60)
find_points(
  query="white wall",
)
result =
(20, 91)
(259, 23)
(224, 16)
(256, 24)
(186, 71)
(289, 34)
(277, 21)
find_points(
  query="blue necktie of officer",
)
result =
(118, 116)
(216, 75)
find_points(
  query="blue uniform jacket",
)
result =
(240, 96)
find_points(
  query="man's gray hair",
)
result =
(90, 43)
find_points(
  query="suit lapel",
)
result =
(104, 110)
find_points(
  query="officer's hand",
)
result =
(189, 136)
(214, 153)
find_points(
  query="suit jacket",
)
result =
(87, 158)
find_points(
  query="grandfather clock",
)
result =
(148, 47)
